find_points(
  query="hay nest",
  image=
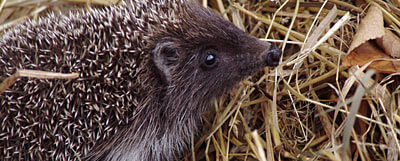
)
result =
(310, 107)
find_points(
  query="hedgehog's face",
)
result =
(209, 67)
(220, 65)
(209, 55)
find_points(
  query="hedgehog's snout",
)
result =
(273, 55)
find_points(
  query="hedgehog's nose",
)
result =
(273, 55)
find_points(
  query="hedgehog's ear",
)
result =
(165, 57)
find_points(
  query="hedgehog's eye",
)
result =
(210, 59)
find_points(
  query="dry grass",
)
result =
(310, 107)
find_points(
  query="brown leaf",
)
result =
(368, 52)
(390, 43)
(371, 27)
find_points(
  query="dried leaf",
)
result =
(369, 52)
(371, 27)
(390, 43)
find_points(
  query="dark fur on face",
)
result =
(149, 69)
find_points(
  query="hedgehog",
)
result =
(147, 72)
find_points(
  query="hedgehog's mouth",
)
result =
(270, 57)
(250, 69)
